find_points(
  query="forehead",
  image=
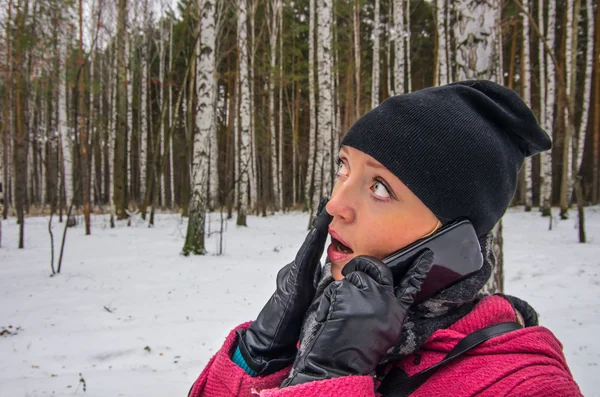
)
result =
(355, 154)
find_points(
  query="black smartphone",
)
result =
(457, 255)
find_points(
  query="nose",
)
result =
(343, 202)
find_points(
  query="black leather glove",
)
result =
(361, 319)
(269, 344)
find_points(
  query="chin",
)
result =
(336, 269)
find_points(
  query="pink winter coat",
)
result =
(526, 362)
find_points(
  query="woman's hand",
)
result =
(269, 344)
(360, 319)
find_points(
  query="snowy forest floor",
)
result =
(131, 316)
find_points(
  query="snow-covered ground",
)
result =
(132, 317)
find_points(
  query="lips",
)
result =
(338, 250)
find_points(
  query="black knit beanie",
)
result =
(458, 147)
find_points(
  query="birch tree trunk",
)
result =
(566, 186)
(252, 170)
(596, 116)
(310, 182)
(214, 148)
(388, 53)
(336, 107)
(587, 87)
(236, 139)
(274, 28)
(546, 157)
(356, 24)
(93, 129)
(399, 52)
(83, 139)
(244, 112)
(407, 47)
(143, 134)
(280, 156)
(442, 60)
(161, 78)
(205, 122)
(129, 62)
(324, 56)
(542, 70)
(112, 133)
(527, 99)
(376, 64)
(66, 142)
(171, 198)
(475, 33)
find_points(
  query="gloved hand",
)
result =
(269, 344)
(361, 319)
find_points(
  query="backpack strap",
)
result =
(396, 385)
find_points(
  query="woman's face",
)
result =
(374, 213)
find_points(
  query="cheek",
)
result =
(386, 235)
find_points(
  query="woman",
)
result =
(408, 167)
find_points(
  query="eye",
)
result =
(380, 190)
(341, 167)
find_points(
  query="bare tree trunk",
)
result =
(65, 139)
(205, 121)
(20, 137)
(83, 139)
(252, 170)
(476, 35)
(170, 198)
(577, 180)
(280, 156)
(7, 112)
(566, 183)
(143, 126)
(244, 113)
(542, 70)
(389, 28)
(92, 116)
(587, 88)
(310, 182)
(527, 99)
(161, 99)
(324, 144)
(120, 148)
(399, 52)
(375, 77)
(297, 170)
(407, 47)
(596, 118)
(442, 59)
(546, 157)
(129, 59)
(356, 24)
(274, 29)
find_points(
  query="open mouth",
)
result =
(341, 247)
(338, 251)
